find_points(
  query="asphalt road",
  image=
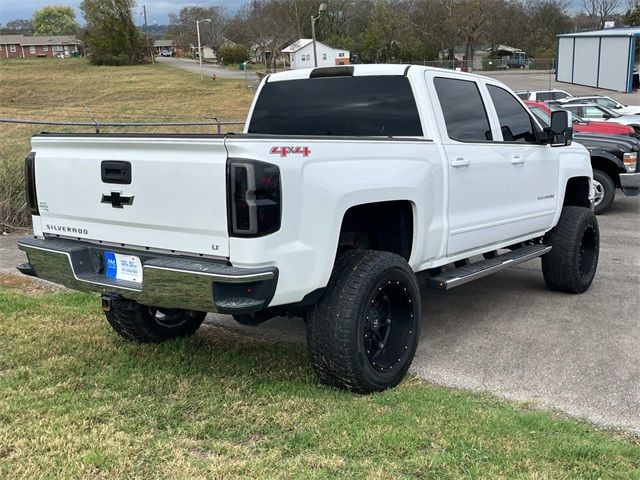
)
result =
(208, 69)
(508, 335)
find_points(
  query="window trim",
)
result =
(534, 123)
(32, 50)
(484, 106)
(13, 49)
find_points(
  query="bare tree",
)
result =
(601, 11)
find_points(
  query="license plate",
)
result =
(122, 267)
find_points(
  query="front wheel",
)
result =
(605, 192)
(363, 333)
(571, 264)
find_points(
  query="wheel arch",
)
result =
(385, 226)
(577, 192)
(609, 164)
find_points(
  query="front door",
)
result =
(533, 168)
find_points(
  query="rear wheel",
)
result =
(571, 264)
(147, 324)
(605, 191)
(363, 333)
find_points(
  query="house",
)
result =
(10, 46)
(160, 45)
(21, 46)
(300, 54)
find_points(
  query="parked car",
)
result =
(580, 125)
(593, 111)
(607, 102)
(542, 95)
(166, 53)
(614, 160)
(321, 210)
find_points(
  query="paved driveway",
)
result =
(508, 335)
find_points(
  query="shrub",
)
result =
(232, 54)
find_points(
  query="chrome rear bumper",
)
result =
(168, 281)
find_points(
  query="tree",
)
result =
(111, 36)
(54, 21)
(601, 11)
(182, 26)
(19, 26)
(632, 15)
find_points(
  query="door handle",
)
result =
(460, 162)
(517, 160)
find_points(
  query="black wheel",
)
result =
(605, 191)
(571, 264)
(363, 333)
(146, 324)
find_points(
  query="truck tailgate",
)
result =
(176, 198)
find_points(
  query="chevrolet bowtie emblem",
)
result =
(117, 200)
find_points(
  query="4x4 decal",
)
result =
(284, 151)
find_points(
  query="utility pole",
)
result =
(198, 22)
(146, 33)
(322, 8)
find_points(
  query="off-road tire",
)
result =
(145, 324)
(339, 324)
(571, 264)
(609, 191)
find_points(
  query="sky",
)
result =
(157, 10)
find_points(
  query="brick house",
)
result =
(21, 46)
(11, 46)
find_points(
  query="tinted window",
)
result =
(523, 96)
(351, 106)
(543, 96)
(515, 122)
(463, 110)
(558, 95)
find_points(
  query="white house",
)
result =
(300, 54)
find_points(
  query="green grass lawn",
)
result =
(76, 401)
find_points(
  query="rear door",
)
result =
(155, 192)
(478, 174)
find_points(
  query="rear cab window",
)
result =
(371, 106)
(463, 109)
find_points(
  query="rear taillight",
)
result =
(254, 198)
(30, 182)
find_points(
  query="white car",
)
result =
(347, 182)
(543, 95)
(606, 102)
(594, 111)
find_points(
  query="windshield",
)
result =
(610, 112)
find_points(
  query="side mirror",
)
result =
(560, 133)
(607, 116)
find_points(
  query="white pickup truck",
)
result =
(346, 183)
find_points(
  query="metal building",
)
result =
(602, 58)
